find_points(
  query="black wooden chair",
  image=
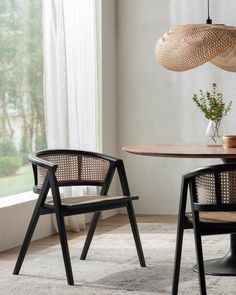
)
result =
(213, 200)
(57, 168)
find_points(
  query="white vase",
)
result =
(214, 133)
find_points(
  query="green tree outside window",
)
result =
(22, 125)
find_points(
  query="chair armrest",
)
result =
(42, 163)
(123, 178)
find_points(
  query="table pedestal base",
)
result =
(225, 266)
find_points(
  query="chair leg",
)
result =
(27, 239)
(90, 235)
(199, 255)
(135, 231)
(178, 253)
(31, 227)
(64, 248)
(61, 226)
(179, 237)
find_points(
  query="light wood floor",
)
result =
(50, 244)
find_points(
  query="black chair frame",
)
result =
(51, 182)
(193, 221)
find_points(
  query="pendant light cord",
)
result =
(209, 20)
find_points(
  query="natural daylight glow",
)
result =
(22, 127)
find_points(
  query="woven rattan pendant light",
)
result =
(189, 46)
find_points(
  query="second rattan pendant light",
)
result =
(189, 46)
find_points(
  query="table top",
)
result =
(181, 150)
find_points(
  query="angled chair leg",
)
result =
(64, 248)
(31, 228)
(25, 245)
(179, 237)
(199, 255)
(61, 227)
(178, 253)
(135, 231)
(90, 235)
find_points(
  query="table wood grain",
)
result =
(181, 150)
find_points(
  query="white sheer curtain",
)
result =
(70, 65)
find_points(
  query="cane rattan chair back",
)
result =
(55, 168)
(213, 202)
(74, 168)
(214, 188)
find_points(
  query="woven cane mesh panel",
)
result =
(189, 46)
(76, 168)
(41, 175)
(228, 187)
(205, 186)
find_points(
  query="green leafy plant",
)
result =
(212, 104)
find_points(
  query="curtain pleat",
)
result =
(70, 81)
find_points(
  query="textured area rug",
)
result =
(112, 266)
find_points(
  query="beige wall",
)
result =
(108, 87)
(108, 72)
(143, 111)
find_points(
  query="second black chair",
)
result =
(213, 202)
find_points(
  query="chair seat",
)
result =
(83, 200)
(216, 217)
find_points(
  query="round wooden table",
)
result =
(225, 266)
(181, 150)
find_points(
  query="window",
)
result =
(22, 125)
